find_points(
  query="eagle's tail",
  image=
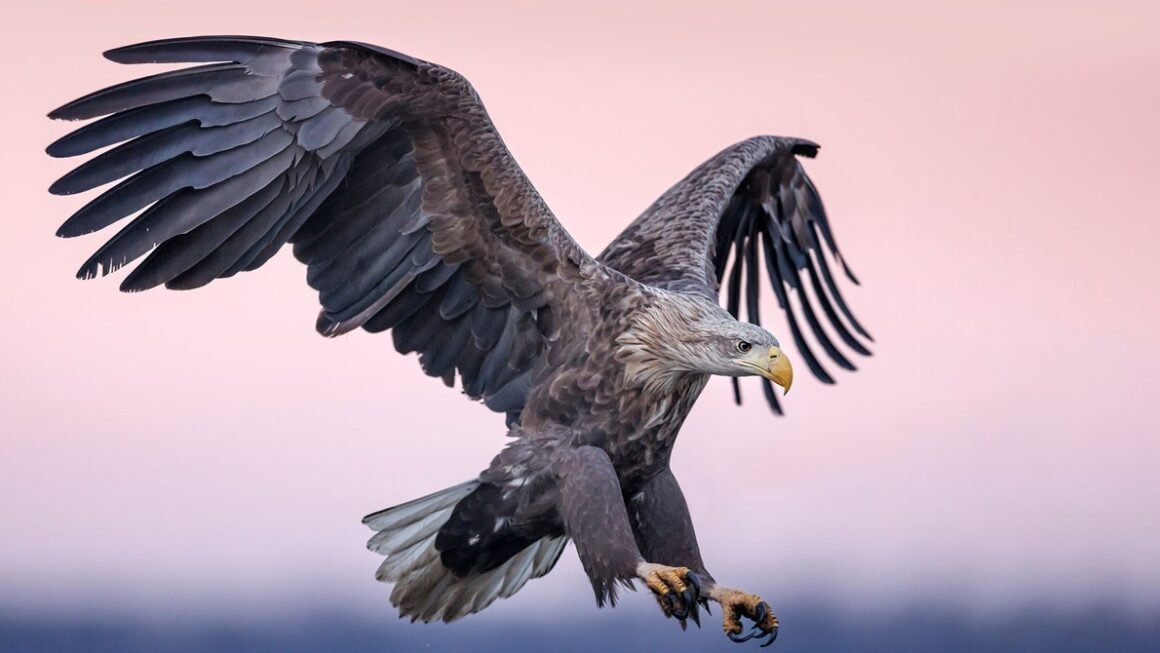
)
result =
(424, 588)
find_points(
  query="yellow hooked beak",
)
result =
(778, 369)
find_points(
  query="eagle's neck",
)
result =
(658, 349)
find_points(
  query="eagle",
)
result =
(388, 178)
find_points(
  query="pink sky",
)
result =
(990, 172)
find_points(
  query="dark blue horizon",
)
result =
(814, 628)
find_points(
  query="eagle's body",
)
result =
(396, 191)
(611, 391)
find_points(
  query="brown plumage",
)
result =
(388, 178)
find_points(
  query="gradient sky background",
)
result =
(991, 173)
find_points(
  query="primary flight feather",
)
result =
(388, 178)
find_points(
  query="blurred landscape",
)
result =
(807, 629)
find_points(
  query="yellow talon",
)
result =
(736, 604)
(663, 580)
(675, 588)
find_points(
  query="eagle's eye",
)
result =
(744, 347)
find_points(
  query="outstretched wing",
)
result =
(384, 171)
(754, 204)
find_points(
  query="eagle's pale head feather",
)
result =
(680, 334)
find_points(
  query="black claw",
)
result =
(705, 604)
(689, 598)
(694, 581)
(740, 639)
(684, 625)
(772, 636)
(682, 613)
(759, 613)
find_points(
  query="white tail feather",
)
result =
(424, 588)
(401, 515)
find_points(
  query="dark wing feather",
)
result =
(752, 201)
(384, 172)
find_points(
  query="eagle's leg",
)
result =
(664, 532)
(595, 517)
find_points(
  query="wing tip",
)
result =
(58, 149)
(329, 328)
(804, 147)
(67, 185)
(170, 50)
(72, 228)
(57, 188)
(64, 112)
(88, 271)
(139, 281)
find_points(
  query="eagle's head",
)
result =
(693, 336)
(730, 347)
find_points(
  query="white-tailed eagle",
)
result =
(388, 178)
